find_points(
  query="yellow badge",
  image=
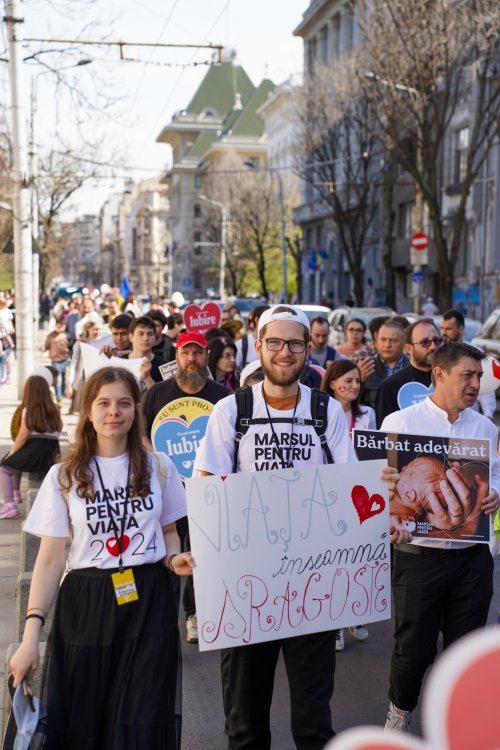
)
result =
(125, 588)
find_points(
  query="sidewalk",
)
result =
(10, 530)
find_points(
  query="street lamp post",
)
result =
(22, 229)
(222, 274)
(277, 171)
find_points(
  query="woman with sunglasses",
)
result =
(342, 380)
(354, 330)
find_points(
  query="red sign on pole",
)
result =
(420, 241)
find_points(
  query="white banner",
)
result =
(93, 360)
(289, 552)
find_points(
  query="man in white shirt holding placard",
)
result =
(441, 584)
(280, 434)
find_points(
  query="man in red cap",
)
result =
(187, 399)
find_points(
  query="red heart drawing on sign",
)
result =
(112, 545)
(224, 477)
(496, 369)
(366, 505)
(202, 318)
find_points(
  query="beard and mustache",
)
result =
(192, 380)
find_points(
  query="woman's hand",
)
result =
(24, 663)
(183, 564)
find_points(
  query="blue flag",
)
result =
(125, 288)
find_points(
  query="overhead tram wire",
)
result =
(179, 79)
(139, 85)
(122, 44)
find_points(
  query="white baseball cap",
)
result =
(250, 369)
(283, 312)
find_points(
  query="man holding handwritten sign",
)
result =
(441, 585)
(280, 434)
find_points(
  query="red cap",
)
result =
(191, 337)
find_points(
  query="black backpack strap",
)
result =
(319, 414)
(244, 411)
(244, 351)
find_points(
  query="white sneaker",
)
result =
(339, 640)
(192, 629)
(397, 720)
(360, 632)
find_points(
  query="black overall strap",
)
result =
(319, 419)
(319, 413)
(244, 410)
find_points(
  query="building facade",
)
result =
(221, 119)
(330, 31)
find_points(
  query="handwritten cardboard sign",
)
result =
(289, 552)
(201, 319)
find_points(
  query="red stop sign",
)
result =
(420, 241)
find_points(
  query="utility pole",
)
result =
(35, 225)
(22, 228)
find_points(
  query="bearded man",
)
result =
(187, 395)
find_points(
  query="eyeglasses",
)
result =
(355, 330)
(296, 346)
(426, 343)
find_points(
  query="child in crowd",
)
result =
(36, 446)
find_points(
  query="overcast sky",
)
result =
(149, 94)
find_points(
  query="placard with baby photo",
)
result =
(441, 485)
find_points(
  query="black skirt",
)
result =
(111, 678)
(36, 456)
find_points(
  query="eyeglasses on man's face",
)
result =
(296, 346)
(427, 343)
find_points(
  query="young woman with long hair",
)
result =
(222, 362)
(110, 679)
(342, 380)
(36, 446)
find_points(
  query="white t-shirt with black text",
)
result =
(94, 538)
(265, 447)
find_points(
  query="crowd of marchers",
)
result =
(111, 673)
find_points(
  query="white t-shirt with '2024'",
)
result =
(263, 447)
(94, 536)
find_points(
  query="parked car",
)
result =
(488, 337)
(471, 329)
(341, 315)
(316, 311)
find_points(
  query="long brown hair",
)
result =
(335, 370)
(42, 414)
(76, 467)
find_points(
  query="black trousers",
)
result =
(188, 600)
(434, 589)
(310, 667)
